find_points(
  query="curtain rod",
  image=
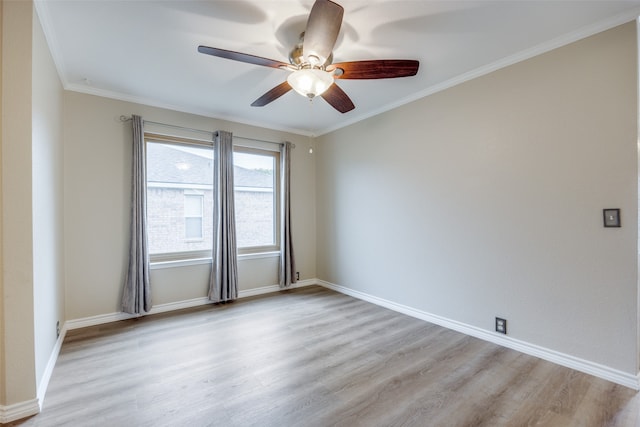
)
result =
(124, 118)
(260, 140)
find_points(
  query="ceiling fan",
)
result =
(313, 72)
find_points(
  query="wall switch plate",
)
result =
(501, 325)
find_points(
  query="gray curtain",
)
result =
(223, 283)
(136, 296)
(287, 270)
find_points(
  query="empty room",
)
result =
(318, 213)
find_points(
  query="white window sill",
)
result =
(158, 265)
(270, 254)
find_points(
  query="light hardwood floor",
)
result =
(312, 357)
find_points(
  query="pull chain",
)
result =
(311, 123)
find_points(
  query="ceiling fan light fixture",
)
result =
(313, 55)
(310, 82)
(315, 60)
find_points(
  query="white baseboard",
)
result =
(19, 410)
(48, 371)
(172, 306)
(274, 288)
(34, 406)
(588, 367)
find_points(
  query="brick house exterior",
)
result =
(176, 173)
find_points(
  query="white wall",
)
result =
(48, 249)
(486, 200)
(97, 177)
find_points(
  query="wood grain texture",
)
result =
(338, 99)
(272, 95)
(242, 57)
(312, 357)
(375, 69)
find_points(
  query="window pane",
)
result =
(193, 228)
(192, 205)
(193, 216)
(255, 198)
(179, 197)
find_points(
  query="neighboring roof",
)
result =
(252, 178)
(173, 164)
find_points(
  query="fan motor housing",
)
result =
(296, 56)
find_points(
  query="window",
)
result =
(256, 177)
(193, 207)
(180, 198)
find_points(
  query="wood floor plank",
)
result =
(312, 357)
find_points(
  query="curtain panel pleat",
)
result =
(287, 270)
(136, 295)
(223, 282)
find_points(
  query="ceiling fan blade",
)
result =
(338, 99)
(323, 27)
(272, 95)
(375, 69)
(242, 57)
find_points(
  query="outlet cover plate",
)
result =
(501, 325)
(611, 217)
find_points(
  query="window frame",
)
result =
(198, 256)
(246, 250)
(193, 194)
(151, 137)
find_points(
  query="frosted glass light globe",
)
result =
(310, 82)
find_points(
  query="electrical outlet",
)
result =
(297, 275)
(501, 325)
(58, 329)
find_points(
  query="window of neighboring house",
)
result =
(179, 198)
(256, 178)
(193, 210)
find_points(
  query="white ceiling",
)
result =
(146, 51)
